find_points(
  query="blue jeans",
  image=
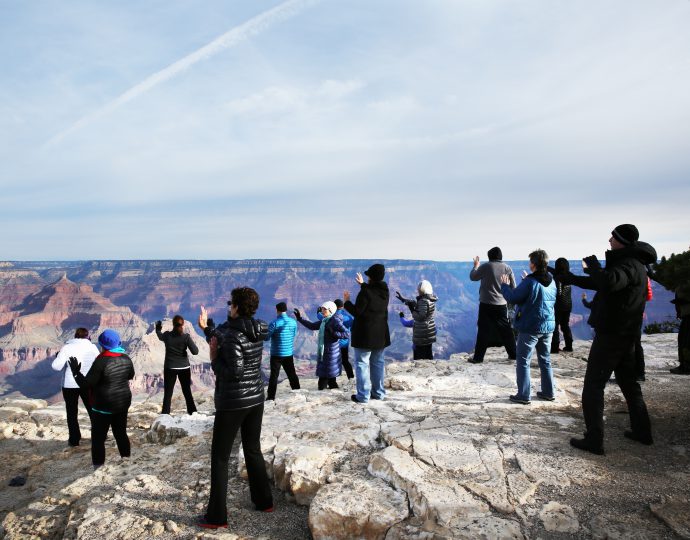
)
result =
(369, 361)
(526, 343)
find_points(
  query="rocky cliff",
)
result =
(445, 456)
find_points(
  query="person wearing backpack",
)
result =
(236, 348)
(176, 366)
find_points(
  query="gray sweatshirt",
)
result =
(489, 274)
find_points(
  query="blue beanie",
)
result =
(109, 339)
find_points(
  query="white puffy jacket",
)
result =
(84, 351)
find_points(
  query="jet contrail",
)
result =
(232, 37)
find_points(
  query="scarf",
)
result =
(322, 335)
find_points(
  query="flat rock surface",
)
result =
(445, 455)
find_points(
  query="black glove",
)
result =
(298, 315)
(592, 263)
(399, 296)
(74, 365)
(159, 325)
(210, 323)
(401, 314)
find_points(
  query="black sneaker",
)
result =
(472, 360)
(680, 370)
(567, 349)
(639, 438)
(353, 397)
(584, 444)
(545, 397)
(516, 399)
(206, 524)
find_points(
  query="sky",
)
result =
(336, 129)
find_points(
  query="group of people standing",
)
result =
(542, 301)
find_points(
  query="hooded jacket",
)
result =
(423, 310)
(108, 380)
(564, 297)
(237, 365)
(330, 364)
(83, 350)
(370, 310)
(535, 299)
(489, 274)
(621, 287)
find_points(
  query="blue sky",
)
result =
(341, 128)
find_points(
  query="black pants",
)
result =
(422, 352)
(225, 427)
(169, 378)
(344, 355)
(612, 353)
(288, 363)
(639, 357)
(562, 321)
(100, 424)
(71, 396)
(327, 381)
(493, 318)
(684, 344)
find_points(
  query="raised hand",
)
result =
(297, 313)
(358, 278)
(74, 365)
(591, 263)
(346, 296)
(159, 325)
(504, 279)
(399, 296)
(203, 318)
(476, 262)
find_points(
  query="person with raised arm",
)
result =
(493, 308)
(281, 333)
(422, 308)
(370, 333)
(176, 365)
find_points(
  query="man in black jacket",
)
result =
(616, 316)
(370, 333)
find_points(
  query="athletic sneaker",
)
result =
(516, 399)
(206, 524)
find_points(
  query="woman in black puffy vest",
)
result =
(236, 348)
(423, 309)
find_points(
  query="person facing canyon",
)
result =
(86, 352)
(493, 308)
(282, 332)
(422, 308)
(108, 381)
(370, 333)
(236, 348)
(176, 365)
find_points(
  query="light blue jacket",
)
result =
(535, 298)
(282, 332)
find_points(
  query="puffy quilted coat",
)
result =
(108, 379)
(423, 310)
(535, 299)
(237, 365)
(330, 364)
(282, 332)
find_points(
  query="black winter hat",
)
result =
(626, 234)
(495, 254)
(338, 303)
(376, 272)
(281, 306)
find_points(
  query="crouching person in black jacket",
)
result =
(236, 348)
(108, 380)
(616, 316)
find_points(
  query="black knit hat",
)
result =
(376, 272)
(495, 254)
(281, 306)
(626, 234)
(338, 303)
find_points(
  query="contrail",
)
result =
(232, 37)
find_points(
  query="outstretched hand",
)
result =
(359, 279)
(74, 365)
(297, 313)
(399, 296)
(504, 279)
(159, 325)
(591, 263)
(203, 318)
(346, 296)
(476, 262)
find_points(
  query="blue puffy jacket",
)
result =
(331, 364)
(282, 332)
(535, 298)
